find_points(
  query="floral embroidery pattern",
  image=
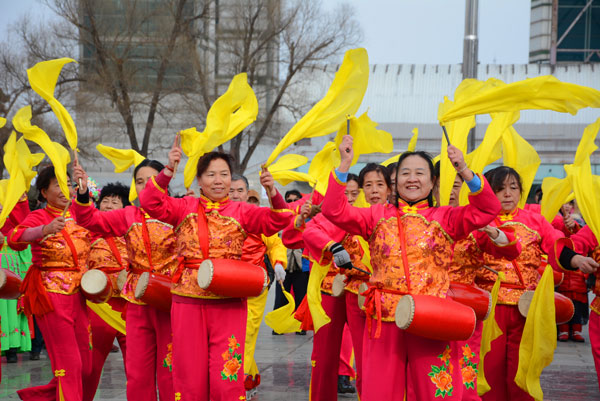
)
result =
(168, 361)
(177, 396)
(441, 375)
(90, 336)
(468, 368)
(233, 361)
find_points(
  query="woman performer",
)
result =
(108, 254)
(537, 237)
(424, 241)
(466, 262)
(151, 248)
(585, 242)
(324, 241)
(60, 250)
(209, 330)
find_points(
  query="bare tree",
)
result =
(271, 41)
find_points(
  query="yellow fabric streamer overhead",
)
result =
(458, 132)
(42, 78)
(313, 295)
(412, 145)
(539, 93)
(122, 159)
(322, 164)
(538, 341)
(366, 137)
(112, 317)
(282, 170)
(343, 98)
(18, 161)
(490, 332)
(282, 320)
(58, 155)
(231, 113)
(556, 191)
(2, 122)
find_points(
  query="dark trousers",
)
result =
(37, 343)
(297, 280)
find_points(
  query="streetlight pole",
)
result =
(470, 49)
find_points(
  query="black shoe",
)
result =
(301, 333)
(11, 357)
(34, 356)
(344, 386)
(276, 333)
(114, 349)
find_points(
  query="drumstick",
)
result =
(64, 213)
(76, 162)
(177, 139)
(360, 270)
(490, 269)
(264, 168)
(448, 140)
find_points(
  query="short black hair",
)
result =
(498, 175)
(239, 177)
(115, 189)
(423, 155)
(378, 168)
(155, 164)
(205, 160)
(353, 177)
(292, 192)
(43, 180)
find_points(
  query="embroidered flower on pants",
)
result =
(441, 375)
(233, 360)
(168, 361)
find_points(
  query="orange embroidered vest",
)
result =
(355, 277)
(467, 260)
(102, 257)
(595, 305)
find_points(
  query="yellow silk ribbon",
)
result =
(109, 315)
(282, 320)
(313, 295)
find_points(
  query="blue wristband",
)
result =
(475, 183)
(343, 177)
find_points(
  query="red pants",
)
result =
(66, 333)
(103, 337)
(345, 366)
(595, 340)
(208, 348)
(356, 324)
(502, 361)
(468, 353)
(148, 364)
(396, 358)
(325, 356)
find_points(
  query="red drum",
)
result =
(10, 283)
(232, 278)
(435, 318)
(338, 286)
(96, 286)
(361, 298)
(121, 279)
(478, 299)
(155, 290)
(563, 306)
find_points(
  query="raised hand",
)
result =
(458, 161)
(55, 225)
(346, 153)
(79, 175)
(174, 157)
(268, 182)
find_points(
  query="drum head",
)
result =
(205, 273)
(121, 279)
(2, 278)
(361, 299)
(405, 312)
(142, 284)
(524, 303)
(93, 282)
(338, 286)
(489, 306)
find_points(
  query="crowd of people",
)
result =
(389, 249)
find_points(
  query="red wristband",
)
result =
(169, 168)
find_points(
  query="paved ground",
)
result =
(284, 362)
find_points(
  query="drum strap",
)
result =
(373, 305)
(503, 284)
(146, 239)
(202, 241)
(115, 251)
(70, 244)
(403, 251)
(515, 265)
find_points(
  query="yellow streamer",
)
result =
(412, 145)
(43, 77)
(109, 315)
(490, 332)
(538, 342)
(122, 159)
(366, 137)
(58, 155)
(282, 320)
(322, 164)
(2, 122)
(539, 93)
(343, 98)
(313, 295)
(228, 116)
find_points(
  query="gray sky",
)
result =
(403, 31)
